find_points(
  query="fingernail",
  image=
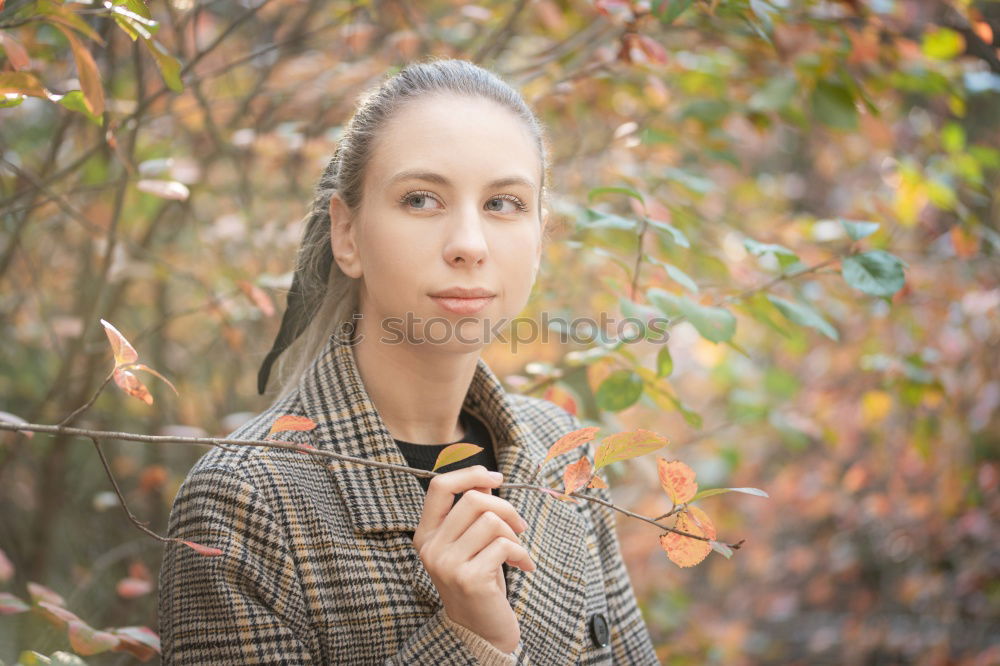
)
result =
(496, 476)
(524, 525)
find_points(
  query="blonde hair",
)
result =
(323, 299)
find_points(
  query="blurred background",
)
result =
(808, 189)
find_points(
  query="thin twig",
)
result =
(277, 444)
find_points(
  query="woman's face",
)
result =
(450, 201)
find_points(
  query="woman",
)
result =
(426, 230)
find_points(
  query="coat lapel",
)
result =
(549, 602)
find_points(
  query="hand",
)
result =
(463, 546)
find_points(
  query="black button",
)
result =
(599, 630)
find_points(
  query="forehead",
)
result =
(468, 140)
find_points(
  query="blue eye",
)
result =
(511, 198)
(419, 197)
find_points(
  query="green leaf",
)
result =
(858, 230)
(664, 362)
(804, 315)
(773, 95)
(675, 234)
(785, 256)
(942, 44)
(712, 323)
(629, 192)
(169, 66)
(73, 100)
(669, 10)
(619, 390)
(721, 548)
(718, 491)
(875, 272)
(833, 105)
(680, 277)
(595, 219)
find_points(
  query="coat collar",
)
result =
(380, 500)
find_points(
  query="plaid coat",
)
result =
(319, 564)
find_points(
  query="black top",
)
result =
(423, 456)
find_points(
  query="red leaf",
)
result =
(141, 642)
(87, 641)
(57, 615)
(40, 593)
(560, 396)
(625, 445)
(130, 588)
(124, 352)
(16, 54)
(258, 296)
(577, 475)
(570, 441)
(291, 422)
(9, 604)
(6, 567)
(202, 550)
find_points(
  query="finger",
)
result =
(442, 489)
(502, 550)
(481, 533)
(468, 510)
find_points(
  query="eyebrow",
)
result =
(433, 177)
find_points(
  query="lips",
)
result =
(464, 292)
(464, 300)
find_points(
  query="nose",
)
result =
(466, 243)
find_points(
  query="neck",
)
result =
(418, 390)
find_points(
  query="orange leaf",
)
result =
(258, 296)
(124, 352)
(685, 551)
(131, 385)
(625, 445)
(152, 477)
(575, 476)
(140, 571)
(677, 480)
(86, 70)
(291, 422)
(598, 482)
(454, 453)
(570, 441)
(561, 397)
(87, 641)
(130, 588)
(22, 83)
(202, 550)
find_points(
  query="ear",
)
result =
(343, 241)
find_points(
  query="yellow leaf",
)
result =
(291, 422)
(685, 551)
(570, 441)
(677, 480)
(143, 366)
(628, 444)
(454, 453)
(875, 406)
(577, 475)
(123, 350)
